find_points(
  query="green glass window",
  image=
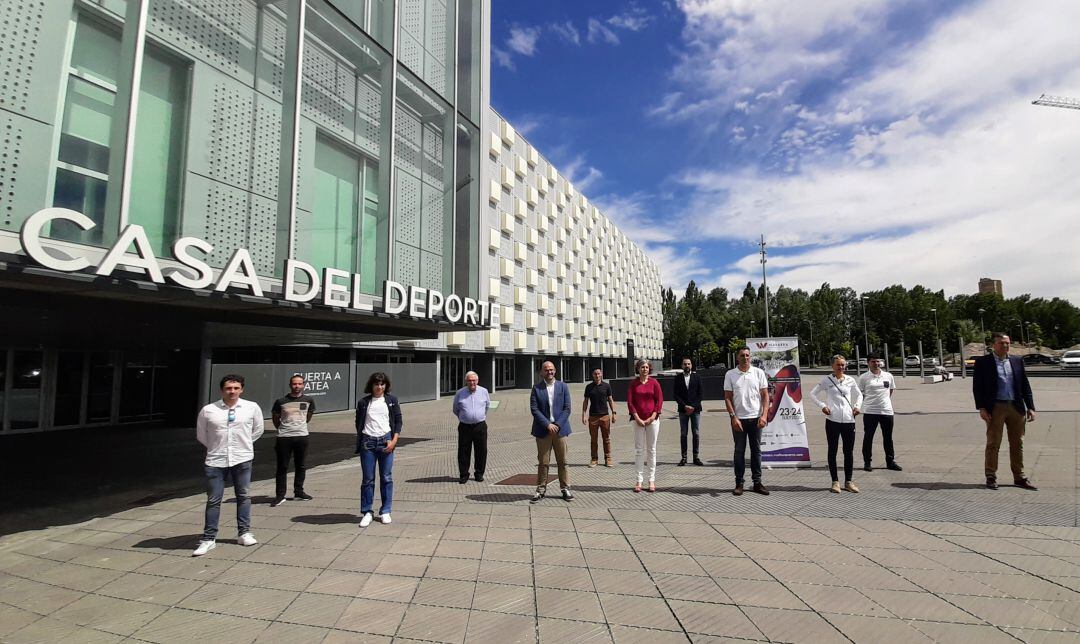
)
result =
(337, 201)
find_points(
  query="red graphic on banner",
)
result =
(786, 379)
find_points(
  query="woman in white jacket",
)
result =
(839, 398)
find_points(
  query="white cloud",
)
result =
(522, 40)
(678, 265)
(502, 58)
(582, 175)
(599, 32)
(567, 31)
(945, 173)
(633, 19)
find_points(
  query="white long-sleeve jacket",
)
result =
(842, 397)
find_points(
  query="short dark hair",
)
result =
(688, 358)
(998, 334)
(376, 377)
(874, 356)
(231, 377)
(741, 349)
(298, 375)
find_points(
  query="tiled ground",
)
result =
(922, 555)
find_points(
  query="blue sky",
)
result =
(872, 142)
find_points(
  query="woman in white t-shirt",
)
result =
(378, 425)
(839, 398)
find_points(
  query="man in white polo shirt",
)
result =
(746, 394)
(877, 386)
(228, 428)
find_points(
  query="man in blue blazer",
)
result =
(550, 405)
(1003, 397)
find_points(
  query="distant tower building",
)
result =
(991, 287)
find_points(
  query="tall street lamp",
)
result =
(934, 311)
(751, 329)
(937, 336)
(866, 337)
(982, 327)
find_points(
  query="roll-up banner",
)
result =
(783, 441)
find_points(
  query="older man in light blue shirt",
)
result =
(471, 403)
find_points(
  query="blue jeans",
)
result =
(693, 420)
(751, 434)
(372, 452)
(215, 489)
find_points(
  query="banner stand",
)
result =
(784, 440)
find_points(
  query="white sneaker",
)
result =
(366, 521)
(247, 539)
(203, 548)
(385, 518)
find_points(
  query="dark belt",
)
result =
(471, 425)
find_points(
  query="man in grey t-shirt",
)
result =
(291, 414)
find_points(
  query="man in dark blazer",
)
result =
(549, 402)
(1003, 397)
(688, 400)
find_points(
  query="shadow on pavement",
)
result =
(179, 542)
(434, 479)
(498, 497)
(939, 485)
(67, 477)
(327, 519)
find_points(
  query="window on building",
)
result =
(467, 213)
(82, 172)
(426, 42)
(505, 373)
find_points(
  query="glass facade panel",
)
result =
(424, 196)
(100, 394)
(69, 388)
(375, 17)
(159, 149)
(467, 215)
(343, 204)
(426, 42)
(470, 70)
(25, 404)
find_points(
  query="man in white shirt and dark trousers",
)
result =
(746, 395)
(877, 386)
(228, 428)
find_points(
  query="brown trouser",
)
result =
(544, 447)
(1005, 414)
(602, 425)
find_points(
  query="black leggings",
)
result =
(834, 432)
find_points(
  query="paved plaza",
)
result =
(927, 554)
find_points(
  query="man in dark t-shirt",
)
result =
(600, 409)
(291, 414)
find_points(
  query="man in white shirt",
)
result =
(746, 395)
(228, 429)
(877, 386)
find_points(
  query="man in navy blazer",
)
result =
(688, 398)
(550, 405)
(1003, 397)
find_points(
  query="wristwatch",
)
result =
(731, 414)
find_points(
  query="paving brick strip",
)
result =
(927, 554)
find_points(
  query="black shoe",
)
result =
(682, 462)
(697, 461)
(463, 480)
(536, 497)
(867, 468)
(278, 501)
(894, 467)
(479, 479)
(738, 490)
(991, 483)
(567, 495)
(1026, 484)
(761, 489)
(302, 496)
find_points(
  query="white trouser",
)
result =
(645, 446)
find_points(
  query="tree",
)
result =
(709, 354)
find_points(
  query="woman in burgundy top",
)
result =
(645, 400)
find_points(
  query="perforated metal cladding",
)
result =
(407, 222)
(435, 46)
(272, 50)
(433, 168)
(432, 232)
(407, 264)
(237, 219)
(231, 135)
(11, 152)
(218, 32)
(266, 159)
(369, 114)
(411, 54)
(408, 135)
(329, 91)
(18, 51)
(431, 270)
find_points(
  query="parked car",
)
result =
(931, 362)
(1070, 360)
(970, 361)
(912, 361)
(1037, 358)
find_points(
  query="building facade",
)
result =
(988, 286)
(195, 187)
